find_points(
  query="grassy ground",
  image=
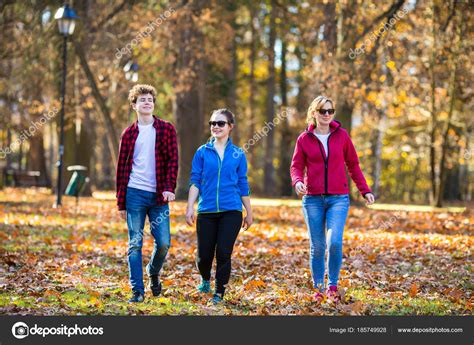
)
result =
(72, 261)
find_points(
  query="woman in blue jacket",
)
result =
(219, 179)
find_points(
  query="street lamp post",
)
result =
(66, 18)
(131, 74)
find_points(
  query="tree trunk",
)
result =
(452, 90)
(84, 128)
(464, 176)
(187, 105)
(286, 138)
(37, 153)
(330, 28)
(252, 83)
(269, 170)
(37, 160)
(301, 99)
(70, 138)
(379, 135)
(344, 114)
(232, 77)
(344, 68)
(433, 123)
(414, 177)
(107, 170)
(107, 121)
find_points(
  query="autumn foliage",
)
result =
(72, 261)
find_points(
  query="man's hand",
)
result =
(123, 214)
(168, 196)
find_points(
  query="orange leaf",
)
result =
(413, 290)
(254, 284)
(52, 293)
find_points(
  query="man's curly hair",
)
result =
(141, 89)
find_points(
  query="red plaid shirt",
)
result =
(166, 160)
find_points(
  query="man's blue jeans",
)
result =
(139, 204)
(323, 212)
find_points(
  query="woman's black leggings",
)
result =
(216, 233)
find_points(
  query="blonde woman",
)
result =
(323, 150)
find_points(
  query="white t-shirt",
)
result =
(324, 140)
(143, 175)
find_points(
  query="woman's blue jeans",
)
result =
(321, 213)
(139, 204)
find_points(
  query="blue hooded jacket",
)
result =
(221, 184)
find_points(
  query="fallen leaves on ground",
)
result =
(72, 261)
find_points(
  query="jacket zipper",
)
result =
(219, 173)
(218, 180)
(325, 160)
(326, 166)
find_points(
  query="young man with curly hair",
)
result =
(146, 180)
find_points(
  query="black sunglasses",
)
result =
(217, 123)
(326, 111)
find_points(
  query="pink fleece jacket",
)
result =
(325, 174)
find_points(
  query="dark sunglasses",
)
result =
(326, 111)
(217, 123)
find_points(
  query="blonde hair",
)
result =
(316, 104)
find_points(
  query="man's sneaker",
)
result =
(218, 297)
(155, 285)
(205, 286)
(333, 294)
(137, 297)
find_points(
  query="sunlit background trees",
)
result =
(400, 72)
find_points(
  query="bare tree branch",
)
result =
(387, 14)
(112, 14)
(453, 10)
(107, 119)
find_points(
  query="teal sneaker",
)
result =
(218, 298)
(205, 286)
